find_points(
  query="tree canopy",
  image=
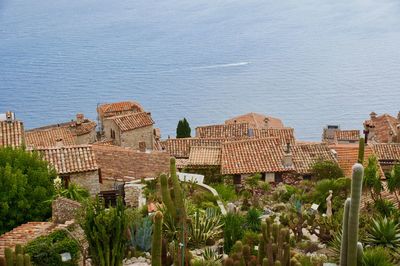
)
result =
(26, 188)
(183, 129)
(326, 170)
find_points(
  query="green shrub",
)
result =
(385, 207)
(26, 188)
(377, 257)
(251, 238)
(226, 192)
(233, 230)
(326, 170)
(203, 199)
(46, 250)
(253, 221)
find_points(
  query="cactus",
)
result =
(166, 197)
(157, 240)
(351, 249)
(361, 147)
(274, 248)
(176, 209)
(15, 258)
(141, 237)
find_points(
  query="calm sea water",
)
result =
(309, 62)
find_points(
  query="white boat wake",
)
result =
(221, 65)
(238, 64)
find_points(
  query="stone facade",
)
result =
(134, 195)
(64, 209)
(88, 180)
(130, 138)
(87, 138)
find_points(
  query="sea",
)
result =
(307, 62)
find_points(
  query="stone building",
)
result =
(119, 165)
(382, 128)
(11, 131)
(74, 164)
(107, 110)
(131, 130)
(332, 134)
(78, 131)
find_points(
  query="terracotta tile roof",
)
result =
(306, 155)
(112, 109)
(387, 152)
(255, 120)
(238, 130)
(181, 163)
(11, 134)
(252, 156)
(24, 234)
(180, 148)
(132, 121)
(83, 128)
(347, 156)
(384, 127)
(49, 137)
(285, 135)
(205, 156)
(347, 135)
(128, 164)
(70, 159)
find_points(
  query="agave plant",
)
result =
(75, 192)
(141, 236)
(377, 256)
(211, 254)
(384, 232)
(334, 246)
(204, 226)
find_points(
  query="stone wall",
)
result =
(109, 124)
(132, 138)
(88, 180)
(64, 209)
(134, 195)
(87, 138)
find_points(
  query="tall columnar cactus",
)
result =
(157, 240)
(166, 195)
(176, 209)
(351, 249)
(17, 258)
(361, 148)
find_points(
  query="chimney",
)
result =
(142, 146)
(287, 160)
(59, 143)
(398, 116)
(80, 118)
(372, 115)
(266, 120)
(9, 116)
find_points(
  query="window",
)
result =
(66, 180)
(112, 132)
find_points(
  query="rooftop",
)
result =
(11, 133)
(230, 131)
(204, 156)
(127, 164)
(180, 148)
(347, 156)
(70, 159)
(306, 155)
(49, 137)
(256, 120)
(132, 121)
(252, 156)
(285, 135)
(387, 151)
(112, 109)
(347, 135)
(384, 127)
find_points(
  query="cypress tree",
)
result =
(183, 129)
